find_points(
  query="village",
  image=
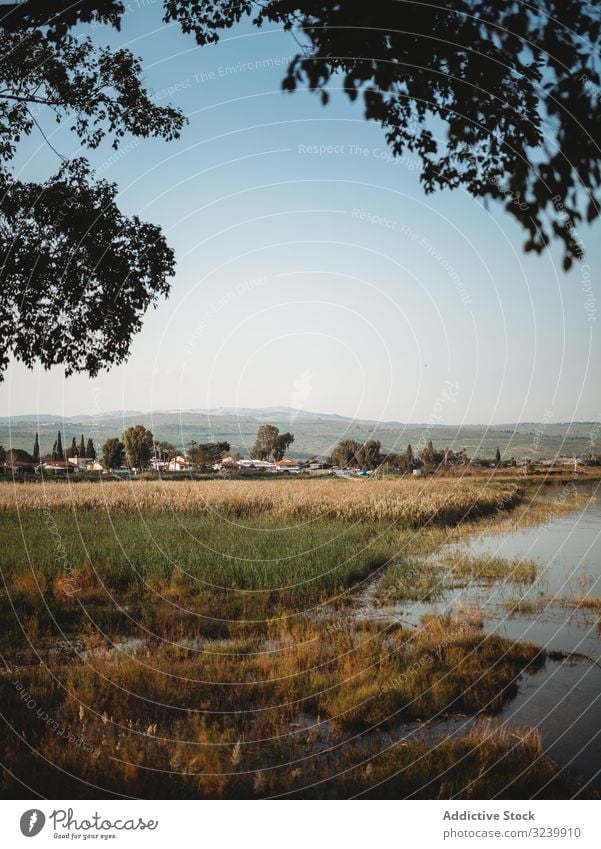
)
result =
(138, 454)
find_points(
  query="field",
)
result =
(209, 640)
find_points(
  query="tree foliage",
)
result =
(206, 453)
(271, 444)
(18, 455)
(164, 450)
(139, 446)
(495, 97)
(429, 456)
(345, 453)
(349, 453)
(77, 275)
(113, 453)
(369, 455)
(57, 450)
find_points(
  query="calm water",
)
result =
(564, 699)
(568, 552)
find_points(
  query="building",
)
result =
(290, 466)
(179, 464)
(58, 467)
(95, 466)
(159, 465)
(18, 468)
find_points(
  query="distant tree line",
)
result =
(368, 455)
(84, 449)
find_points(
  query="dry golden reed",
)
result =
(409, 501)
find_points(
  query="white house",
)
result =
(179, 464)
(95, 466)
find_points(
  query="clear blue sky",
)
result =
(312, 270)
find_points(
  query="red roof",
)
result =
(12, 464)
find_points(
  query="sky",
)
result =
(312, 271)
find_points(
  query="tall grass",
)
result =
(490, 569)
(250, 674)
(275, 714)
(413, 503)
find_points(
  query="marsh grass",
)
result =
(205, 575)
(197, 566)
(525, 606)
(411, 579)
(282, 705)
(538, 605)
(490, 569)
(427, 579)
(586, 602)
(210, 657)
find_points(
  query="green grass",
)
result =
(490, 569)
(177, 574)
(214, 553)
(411, 579)
(415, 579)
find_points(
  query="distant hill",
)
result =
(315, 433)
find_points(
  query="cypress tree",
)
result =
(82, 447)
(36, 450)
(90, 450)
(59, 447)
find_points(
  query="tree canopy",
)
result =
(139, 446)
(113, 453)
(77, 275)
(349, 453)
(494, 97)
(270, 443)
(206, 453)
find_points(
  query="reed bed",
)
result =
(490, 569)
(236, 719)
(412, 503)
